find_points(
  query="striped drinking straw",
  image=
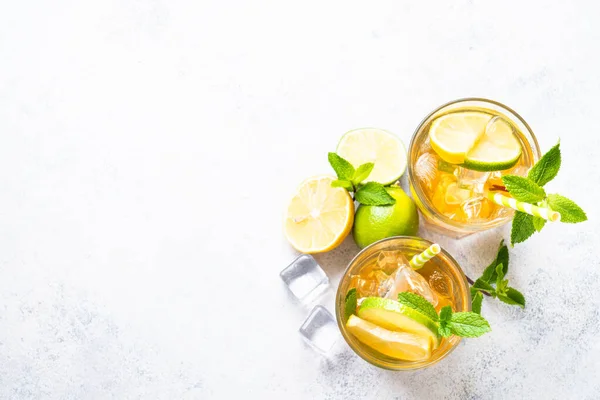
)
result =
(420, 259)
(542, 212)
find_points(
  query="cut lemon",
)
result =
(378, 146)
(319, 216)
(453, 135)
(496, 150)
(400, 345)
(392, 315)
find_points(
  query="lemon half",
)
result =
(318, 217)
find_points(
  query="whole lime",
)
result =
(373, 223)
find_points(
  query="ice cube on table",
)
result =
(305, 278)
(320, 330)
(471, 180)
(407, 279)
(426, 169)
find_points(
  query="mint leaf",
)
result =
(546, 169)
(476, 302)
(445, 315)
(350, 304)
(489, 274)
(570, 212)
(373, 194)
(343, 184)
(499, 274)
(362, 173)
(538, 223)
(483, 285)
(444, 330)
(523, 189)
(343, 169)
(501, 286)
(502, 257)
(468, 324)
(522, 227)
(418, 303)
(512, 296)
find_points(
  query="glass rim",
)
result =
(424, 200)
(341, 325)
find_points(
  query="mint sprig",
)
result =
(530, 190)
(350, 178)
(463, 324)
(493, 283)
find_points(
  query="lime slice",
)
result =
(400, 345)
(392, 315)
(453, 135)
(319, 216)
(496, 150)
(374, 145)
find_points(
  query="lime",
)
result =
(392, 315)
(453, 135)
(378, 146)
(400, 345)
(373, 223)
(496, 150)
(318, 216)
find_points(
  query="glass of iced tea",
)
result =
(458, 155)
(380, 329)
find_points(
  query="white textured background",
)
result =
(149, 146)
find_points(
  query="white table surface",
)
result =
(148, 150)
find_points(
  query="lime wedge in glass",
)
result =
(392, 315)
(498, 149)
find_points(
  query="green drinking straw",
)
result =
(420, 259)
(542, 212)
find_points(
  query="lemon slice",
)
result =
(400, 345)
(319, 216)
(392, 315)
(378, 146)
(453, 135)
(496, 150)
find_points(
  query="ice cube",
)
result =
(320, 330)
(441, 284)
(495, 178)
(364, 286)
(475, 208)
(408, 280)
(305, 278)
(426, 169)
(388, 261)
(471, 180)
(456, 195)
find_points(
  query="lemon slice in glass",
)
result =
(318, 217)
(399, 345)
(378, 146)
(453, 135)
